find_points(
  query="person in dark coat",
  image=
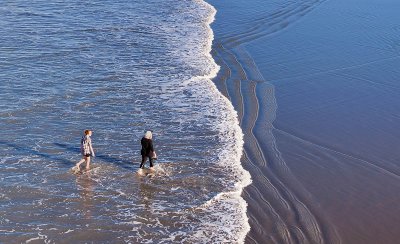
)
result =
(147, 149)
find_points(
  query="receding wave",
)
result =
(119, 69)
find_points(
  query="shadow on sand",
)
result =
(105, 158)
(21, 148)
(58, 158)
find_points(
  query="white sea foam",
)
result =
(68, 231)
(230, 203)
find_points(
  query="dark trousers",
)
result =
(144, 159)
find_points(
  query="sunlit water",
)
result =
(119, 68)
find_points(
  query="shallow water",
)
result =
(119, 68)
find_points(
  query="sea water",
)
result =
(118, 68)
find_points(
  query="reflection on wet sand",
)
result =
(85, 186)
(146, 197)
(146, 216)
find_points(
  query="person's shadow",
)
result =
(119, 162)
(21, 148)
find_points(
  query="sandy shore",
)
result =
(315, 86)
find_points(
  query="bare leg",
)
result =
(80, 162)
(87, 163)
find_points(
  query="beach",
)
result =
(273, 121)
(315, 85)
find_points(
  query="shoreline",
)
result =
(233, 138)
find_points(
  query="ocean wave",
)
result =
(123, 74)
(219, 227)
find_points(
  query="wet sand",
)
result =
(315, 85)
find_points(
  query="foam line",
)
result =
(234, 151)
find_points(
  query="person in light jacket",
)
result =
(86, 150)
(147, 150)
